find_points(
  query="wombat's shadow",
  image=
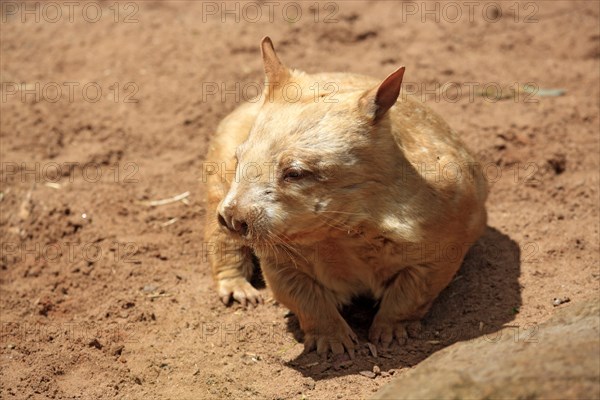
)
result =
(484, 296)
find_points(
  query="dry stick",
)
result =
(154, 203)
(169, 222)
(53, 185)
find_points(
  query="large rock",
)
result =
(561, 360)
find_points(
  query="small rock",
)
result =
(385, 374)
(368, 374)
(128, 304)
(250, 358)
(149, 288)
(117, 350)
(376, 370)
(10, 346)
(45, 307)
(558, 163)
(558, 301)
(95, 343)
(310, 385)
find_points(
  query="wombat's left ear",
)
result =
(276, 73)
(377, 101)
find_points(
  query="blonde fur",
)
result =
(362, 194)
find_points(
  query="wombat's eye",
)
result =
(293, 174)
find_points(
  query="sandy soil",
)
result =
(104, 296)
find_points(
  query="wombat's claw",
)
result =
(382, 333)
(241, 290)
(344, 341)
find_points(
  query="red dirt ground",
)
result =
(120, 304)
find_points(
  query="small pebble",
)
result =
(95, 343)
(117, 350)
(376, 370)
(149, 288)
(368, 374)
(558, 301)
(250, 358)
(310, 385)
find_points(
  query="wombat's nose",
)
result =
(234, 225)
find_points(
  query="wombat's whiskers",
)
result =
(337, 224)
(284, 242)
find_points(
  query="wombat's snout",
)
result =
(234, 225)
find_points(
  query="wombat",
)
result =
(345, 192)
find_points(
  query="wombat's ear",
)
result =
(276, 73)
(375, 102)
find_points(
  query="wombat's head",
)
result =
(311, 159)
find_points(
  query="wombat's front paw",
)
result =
(336, 337)
(241, 290)
(383, 331)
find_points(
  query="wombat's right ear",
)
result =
(276, 73)
(377, 101)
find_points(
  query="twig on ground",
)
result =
(174, 199)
